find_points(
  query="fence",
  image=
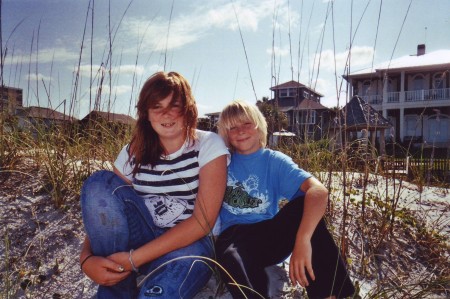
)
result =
(427, 168)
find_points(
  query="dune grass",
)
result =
(396, 250)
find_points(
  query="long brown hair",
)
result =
(145, 147)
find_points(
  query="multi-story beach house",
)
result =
(413, 93)
(301, 104)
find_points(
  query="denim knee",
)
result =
(181, 273)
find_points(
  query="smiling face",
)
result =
(243, 127)
(168, 122)
(244, 137)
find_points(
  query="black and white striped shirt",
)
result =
(170, 188)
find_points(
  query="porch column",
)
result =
(402, 123)
(402, 88)
(382, 143)
(385, 88)
(385, 99)
(373, 135)
(352, 92)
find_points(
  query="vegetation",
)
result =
(276, 120)
(393, 249)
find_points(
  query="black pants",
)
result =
(246, 250)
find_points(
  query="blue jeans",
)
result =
(116, 219)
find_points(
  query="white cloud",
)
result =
(38, 77)
(188, 28)
(100, 70)
(47, 55)
(129, 69)
(285, 16)
(360, 56)
(278, 51)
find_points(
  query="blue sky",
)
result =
(226, 49)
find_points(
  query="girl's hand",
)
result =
(301, 261)
(122, 258)
(104, 271)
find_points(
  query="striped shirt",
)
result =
(169, 189)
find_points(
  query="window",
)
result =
(289, 119)
(287, 92)
(437, 128)
(283, 93)
(413, 126)
(438, 81)
(390, 86)
(366, 88)
(418, 82)
(308, 117)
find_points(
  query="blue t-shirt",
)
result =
(256, 183)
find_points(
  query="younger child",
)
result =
(254, 235)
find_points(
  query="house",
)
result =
(96, 116)
(211, 123)
(307, 117)
(413, 93)
(35, 119)
(101, 124)
(10, 99)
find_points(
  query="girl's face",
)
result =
(244, 137)
(167, 120)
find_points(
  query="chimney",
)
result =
(420, 49)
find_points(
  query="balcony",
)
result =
(427, 95)
(439, 94)
(373, 99)
(393, 97)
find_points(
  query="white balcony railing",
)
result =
(393, 97)
(438, 94)
(373, 99)
(427, 95)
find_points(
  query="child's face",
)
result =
(167, 120)
(244, 137)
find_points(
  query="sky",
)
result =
(74, 56)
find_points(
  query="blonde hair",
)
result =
(238, 112)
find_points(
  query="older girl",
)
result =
(154, 212)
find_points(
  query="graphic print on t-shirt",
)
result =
(245, 197)
(166, 210)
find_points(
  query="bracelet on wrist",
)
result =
(85, 259)
(131, 262)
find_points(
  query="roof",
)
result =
(44, 113)
(283, 132)
(4, 87)
(436, 58)
(308, 104)
(290, 84)
(294, 84)
(359, 114)
(213, 114)
(285, 108)
(110, 117)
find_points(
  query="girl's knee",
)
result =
(100, 176)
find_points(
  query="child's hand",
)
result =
(301, 260)
(104, 271)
